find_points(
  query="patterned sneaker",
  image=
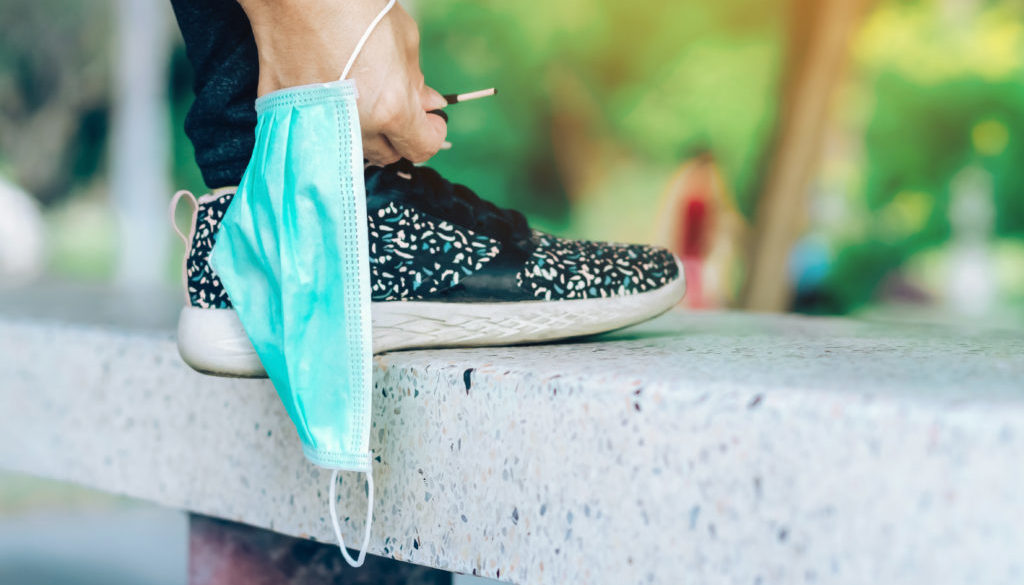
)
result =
(447, 269)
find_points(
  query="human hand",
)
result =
(309, 41)
(393, 97)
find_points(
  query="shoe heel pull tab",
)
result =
(187, 240)
(358, 561)
(191, 231)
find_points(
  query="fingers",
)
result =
(403, 122)
(433, 102)
(431, 99)
(379, 151)
(394, 132)
(420, 138)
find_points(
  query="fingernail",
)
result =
(446, 145)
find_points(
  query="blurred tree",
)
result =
(820, 34)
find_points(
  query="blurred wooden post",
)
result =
(140, 139)
(820, 35)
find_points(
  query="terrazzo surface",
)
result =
(698, 448)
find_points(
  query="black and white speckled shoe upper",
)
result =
(577, 269)
(414, 255)
(432, 240)
(204, 288)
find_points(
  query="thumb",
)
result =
(431, 99)
(421, 138)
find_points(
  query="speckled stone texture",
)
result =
(699, 448)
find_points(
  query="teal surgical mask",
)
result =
(292, 253)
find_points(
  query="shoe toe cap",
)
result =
(655, 268)
(563, 269)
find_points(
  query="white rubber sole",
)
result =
(213, 341)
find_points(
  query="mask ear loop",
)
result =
(366, 35)
(358, 561)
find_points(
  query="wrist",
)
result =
(305, 41)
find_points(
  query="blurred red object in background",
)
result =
(701, 225)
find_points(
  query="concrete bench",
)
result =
(698, 448)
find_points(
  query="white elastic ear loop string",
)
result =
(366, 35)
(358, 562)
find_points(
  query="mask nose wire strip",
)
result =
(366, 35)
(358, 562)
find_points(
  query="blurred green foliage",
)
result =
(600, 102)
(653, 80)
(942, 88)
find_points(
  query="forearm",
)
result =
(306, 41)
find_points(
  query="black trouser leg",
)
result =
(222, 121)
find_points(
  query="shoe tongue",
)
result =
(448, 201)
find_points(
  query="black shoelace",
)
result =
(454, 201)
